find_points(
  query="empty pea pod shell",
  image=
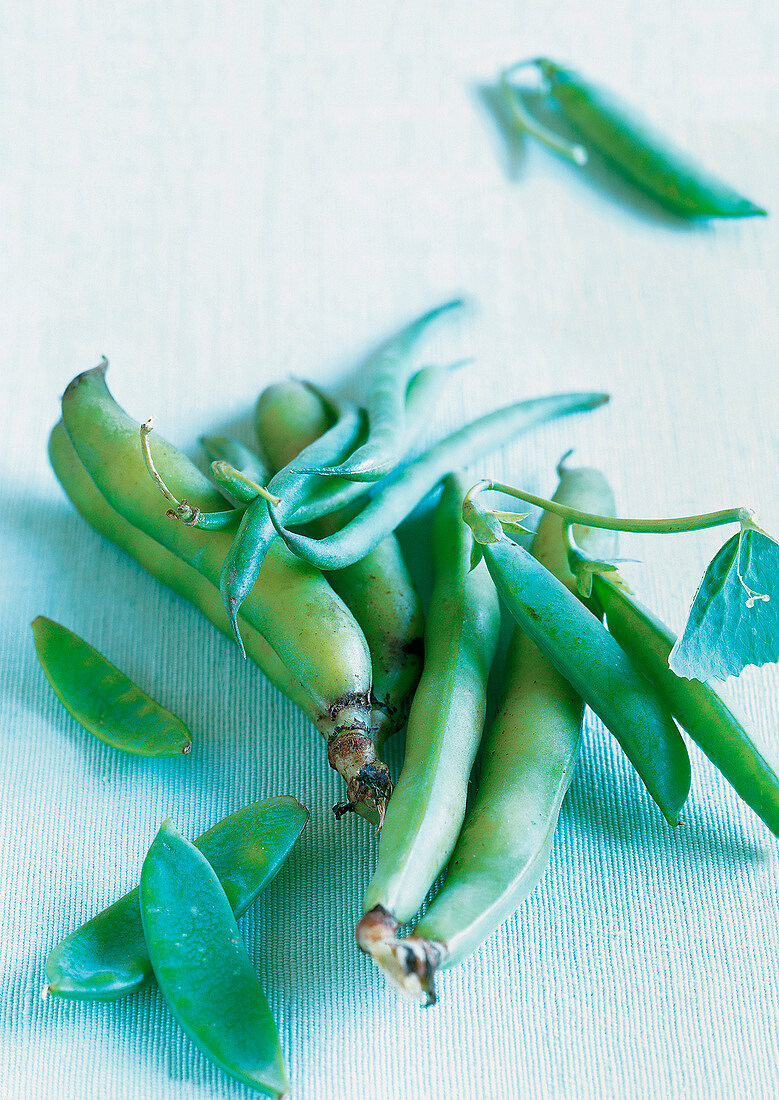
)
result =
(102, 699)
(106, 958)
(202, 966)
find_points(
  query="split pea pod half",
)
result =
(166, 567)
(202, 966)
(310, 628)
(697, 707)
(377, 589)
(528, 756)
(107, 957)
(583, 651)
(102, 699)
(388, 372)
(627, 142)
(407, 487)
(444, 729)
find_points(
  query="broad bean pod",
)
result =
(407, 487)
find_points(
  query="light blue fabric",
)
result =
(217, 195)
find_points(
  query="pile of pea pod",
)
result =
(291, 549)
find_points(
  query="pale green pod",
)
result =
(446, 720)
(528, 756)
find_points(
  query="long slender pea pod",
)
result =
(388, 371)
(583, 651)
(107, 958)
(405, 489)
(445, 725)
(202, 966)
(377, 589)
(697, 707)
(102, 699)
(628, 143)
(255, 535)
(292, 605)
(169, 570)
(528, 757)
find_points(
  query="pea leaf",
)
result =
(734, 619)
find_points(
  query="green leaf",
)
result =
(734, 619)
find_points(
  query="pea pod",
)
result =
(226, 448)
(377, 589)
(102, 699)
(292, 606)
(584, 652)
(445, 724)
(527, 761)
(388, 371)
(170, 570)
(202, 966)
(405, 489)
(628, 143)
(697, 707)
(107, 957)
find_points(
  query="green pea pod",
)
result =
(697, 707)
(226, 448)
(406, 488)
(445, 724)
(377, 589)
(583, 651)
(630, 145)
(527, 760)
(107, 957)
(388, 372)
(202, 966)
(102, 699)
(167, 568)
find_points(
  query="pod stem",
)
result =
(671, 526)
(522, 118)
(409, 964)
(181, 510)
(352, 753)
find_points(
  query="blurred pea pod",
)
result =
(628, 143)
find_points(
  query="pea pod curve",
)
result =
(107, 958)
(444, 728)
(697, 707)
(406, 488)
(202, 966)
(102, 699)
(294, 608)
(634, 148)
(583, 651)
(388, 371)
(169, 570)
(528, 757)
(377, 589)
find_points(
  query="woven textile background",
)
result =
(218, 195)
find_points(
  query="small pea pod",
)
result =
(107, 958)
(406, 488)
(388, 371)
(445, 724)
(255, 534)
(202, 966)
(527, 760)
(102, 699)
(697, 707)
(583, 651)
(168, 569)
(377, 589)
(628, 143)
